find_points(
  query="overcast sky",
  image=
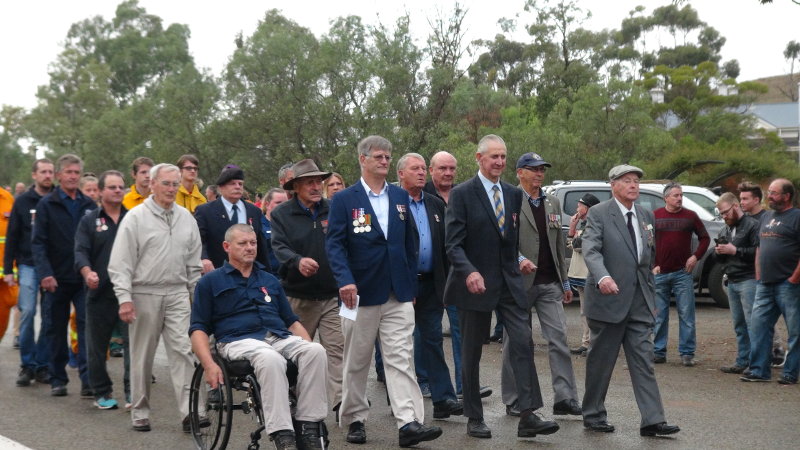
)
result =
(31, 31)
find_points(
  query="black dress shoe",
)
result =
(531, 424)
(414, 432)
(58, 390)
(356, 433)
(659, 429)
(485, 391)
(659, 359)
(579, 350)
(496, 338)
(567, 408)
(447, 408)
(477, 428)
(599, 427)
(141, 425)
(512, 411)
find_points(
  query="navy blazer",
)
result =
(213, 222)
(474, 244)
(376, 266)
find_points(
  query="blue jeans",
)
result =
(428, 317)
(34, 354)
(772, 300)
(741, 295)
(681, 285)
(455, 339)
(55, 314)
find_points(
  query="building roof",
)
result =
(780, 115)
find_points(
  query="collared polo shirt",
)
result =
(232, 307)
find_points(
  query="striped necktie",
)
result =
(498, 209)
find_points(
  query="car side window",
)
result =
(650, 201)
(571, 198)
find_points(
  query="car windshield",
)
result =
(703, 201)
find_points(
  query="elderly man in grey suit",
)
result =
(541, 246)
(619, 249)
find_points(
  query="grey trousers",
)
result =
(547, 300)
(634, 334)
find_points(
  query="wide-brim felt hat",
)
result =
(302, 169)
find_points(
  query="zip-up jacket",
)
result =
(53, 244)
(18, 237)
(152, 255)
(742, 265)
(93, 242)
(297, 235)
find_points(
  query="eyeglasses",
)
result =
(725, 213)
(386, 158)
(537, 168)
(191, 168)
(774, 193)
(166, 183)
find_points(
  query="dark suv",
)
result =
(707, 273)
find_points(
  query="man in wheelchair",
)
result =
(245, 308)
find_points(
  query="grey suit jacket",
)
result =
(608, 251)
(529, 238)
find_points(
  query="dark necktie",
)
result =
(633, 234)
(235, 215)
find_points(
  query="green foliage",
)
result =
(129, 87)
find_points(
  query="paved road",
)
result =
(714, 410)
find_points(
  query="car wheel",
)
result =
(715, 287)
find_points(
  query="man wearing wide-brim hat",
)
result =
(299, 227)
(214, 219)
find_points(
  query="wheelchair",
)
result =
(211, 410)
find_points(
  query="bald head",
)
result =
(443, 171)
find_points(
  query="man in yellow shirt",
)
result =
(140, 189)
(189, 195)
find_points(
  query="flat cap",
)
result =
(619, 171)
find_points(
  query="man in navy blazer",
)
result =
(482, 243)
(214, 219)
(372, 251)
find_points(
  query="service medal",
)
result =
(367, 228)
(267, 298)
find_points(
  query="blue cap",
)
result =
(531, 160)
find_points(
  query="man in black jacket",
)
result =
(33, 352)
(93, 242)
(299, 226)
(214, 219)
(53, 248)
(427, 214)
(736, 248)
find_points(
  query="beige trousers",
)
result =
(158, 316)
(268, 358)
(393, 324)
(323, 315)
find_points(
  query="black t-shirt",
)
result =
(780, 245)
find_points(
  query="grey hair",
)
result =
(483, 144)
(242, 227)
(670, 186)
(163, 167)
(438, 155)
(68, 160)
(374, 142)
(401, 163)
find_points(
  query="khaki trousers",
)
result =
(268, 358)
(157, 316)
(393, 323)
(323, 315)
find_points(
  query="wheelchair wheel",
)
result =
(210, 410)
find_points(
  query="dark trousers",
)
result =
(428, 316)
(56, 318)
(474, 329)
(102, 318)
